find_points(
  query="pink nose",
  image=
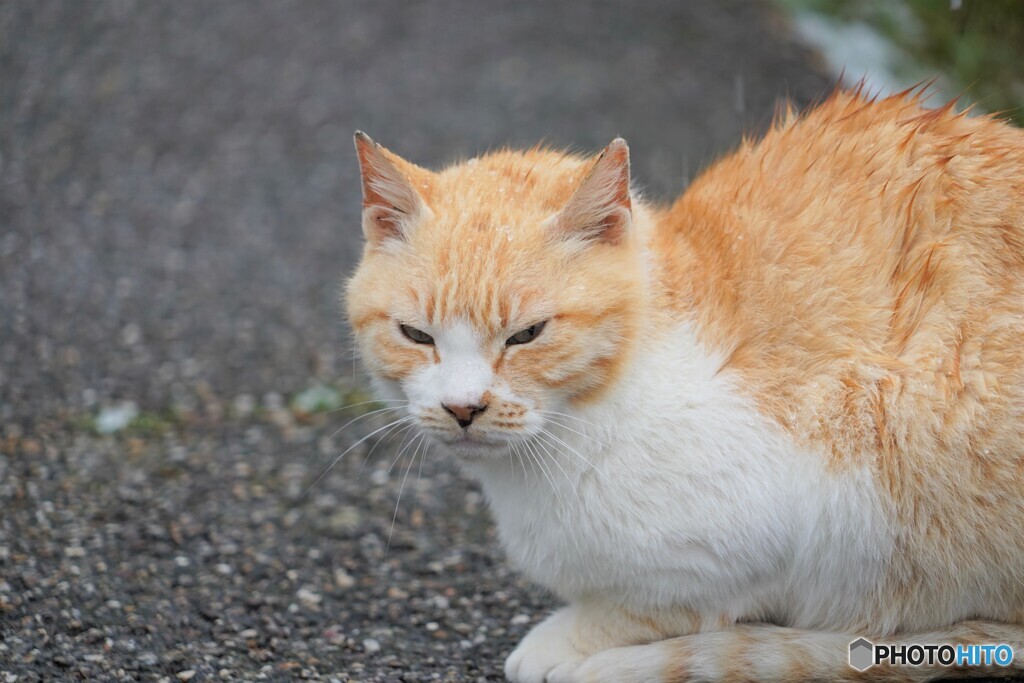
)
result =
(463, 414)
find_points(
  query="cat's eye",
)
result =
(527, 335)
(418, 336)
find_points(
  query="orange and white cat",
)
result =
(736, 433)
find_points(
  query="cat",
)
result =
(739, 432)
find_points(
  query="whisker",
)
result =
(571, 417)
(388, 436)
(568, 428)
(424, 443)
(335, 462)
(571, 451)
(522, 462)
(552, 439)
(399, 456)
(360, 417)
(519, 457)
(364, 403)
(523, 455)
(540, 463)
(357, 419)
(398, 502)
(575, 537)
(565, 474)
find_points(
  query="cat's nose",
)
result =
(463, 414)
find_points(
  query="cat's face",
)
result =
(496, 291)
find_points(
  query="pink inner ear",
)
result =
(616, 157)
(600, 208)
(388, 195)
(384, 222)
(613, 227)
(375, 171)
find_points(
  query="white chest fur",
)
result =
(693, 499)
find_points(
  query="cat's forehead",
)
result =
(533, 180)
(494, 207)
(490, 288)
(484, 252)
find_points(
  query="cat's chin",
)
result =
(472, 447)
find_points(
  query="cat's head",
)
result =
(497, 290)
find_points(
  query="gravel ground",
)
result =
(178, 205)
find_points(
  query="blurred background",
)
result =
(179, 207)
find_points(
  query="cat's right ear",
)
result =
(601, 209)
(391, 202)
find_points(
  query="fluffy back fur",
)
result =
(795, 396)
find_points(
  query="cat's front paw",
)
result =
(635, 664)
(544, 649)
(534, 662)
(585, 671)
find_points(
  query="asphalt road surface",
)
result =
(178, 208)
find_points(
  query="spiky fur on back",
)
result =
(794, 396)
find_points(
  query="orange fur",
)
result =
(875, 309)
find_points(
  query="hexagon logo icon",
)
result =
(862, 654)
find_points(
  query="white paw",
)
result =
(544, 650)
(567, 672)
(539, 664)
(636, 664)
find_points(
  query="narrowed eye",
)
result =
(417, 336)
(527, 335)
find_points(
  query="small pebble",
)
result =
(371, 646)
(308, 597)
(334, 635)
(342, 579)
(244, 404)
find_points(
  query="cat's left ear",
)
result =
(391, 202)
(601, 209)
